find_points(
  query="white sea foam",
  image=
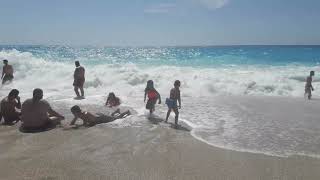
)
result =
(128, 82)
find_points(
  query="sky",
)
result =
(159, 22)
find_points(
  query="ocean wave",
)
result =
(130, 78)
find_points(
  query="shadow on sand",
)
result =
(179, 127)
(155, 119)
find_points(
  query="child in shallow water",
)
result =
(153, 96)
(112, 100)
(173, 101)
(91, 120)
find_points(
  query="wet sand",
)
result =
(153, 151)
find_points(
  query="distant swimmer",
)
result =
(112, 100)
(9, 105)
(153, 96)
(37, 114)
(7, 72)
(79, 79)
(172, 102)
(91, 120)
(309, 87)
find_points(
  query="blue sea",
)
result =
(205, 73)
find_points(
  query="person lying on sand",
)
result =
(9, 105)
(91, 120)
(37, 114)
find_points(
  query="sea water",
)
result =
(204, 72)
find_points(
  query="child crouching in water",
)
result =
(112, 100)
(153, 96)
(91, 120)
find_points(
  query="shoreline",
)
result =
(152, 151)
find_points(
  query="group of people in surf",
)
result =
(37, 115)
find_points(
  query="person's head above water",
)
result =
(77, 63)
(311, 73)
(14, 93)
(37, 94)
(177, 83)
(76, 110)
(5, 61)
(111, 95)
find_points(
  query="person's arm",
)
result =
(179, 99)
(107, 102)
(159, 97)
(2, 72)
(54, 113)
(73, 121)
(145, 95)
(18, 105)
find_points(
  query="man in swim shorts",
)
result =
(91, 120)
(7, 72)
(9, 105)
(37, 114)
(308, 86)
(79, 79)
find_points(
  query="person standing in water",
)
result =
(309, 87)
(172, 102)
(153, 96)
(7, 72)
(79, 79)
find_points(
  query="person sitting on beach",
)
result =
(153, 96)
(7, 72)
(91, 120)
(8, 107)
(172, 102)
(37, 114)
(112, 100)
(308, 86)
(79, 79)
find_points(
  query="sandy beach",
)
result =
(153, 151)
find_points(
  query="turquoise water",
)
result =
(181, 56)
(205, 74)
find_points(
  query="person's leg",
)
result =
(55, 120)
(121, 115)
(82, 91)
(76, 90)
(115, 112)
(176, 111)
(309, 93)
(168, 114)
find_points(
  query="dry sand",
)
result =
(154, 151)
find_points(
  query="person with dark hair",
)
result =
(172, 102)
(153, 96)
(7, 72)
(79, 79)
(308, 86)
(9, 105)
(112, 100)
(91, 120)
(37, 114)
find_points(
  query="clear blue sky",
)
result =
(159, 22)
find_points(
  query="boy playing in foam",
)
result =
(91, 120)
